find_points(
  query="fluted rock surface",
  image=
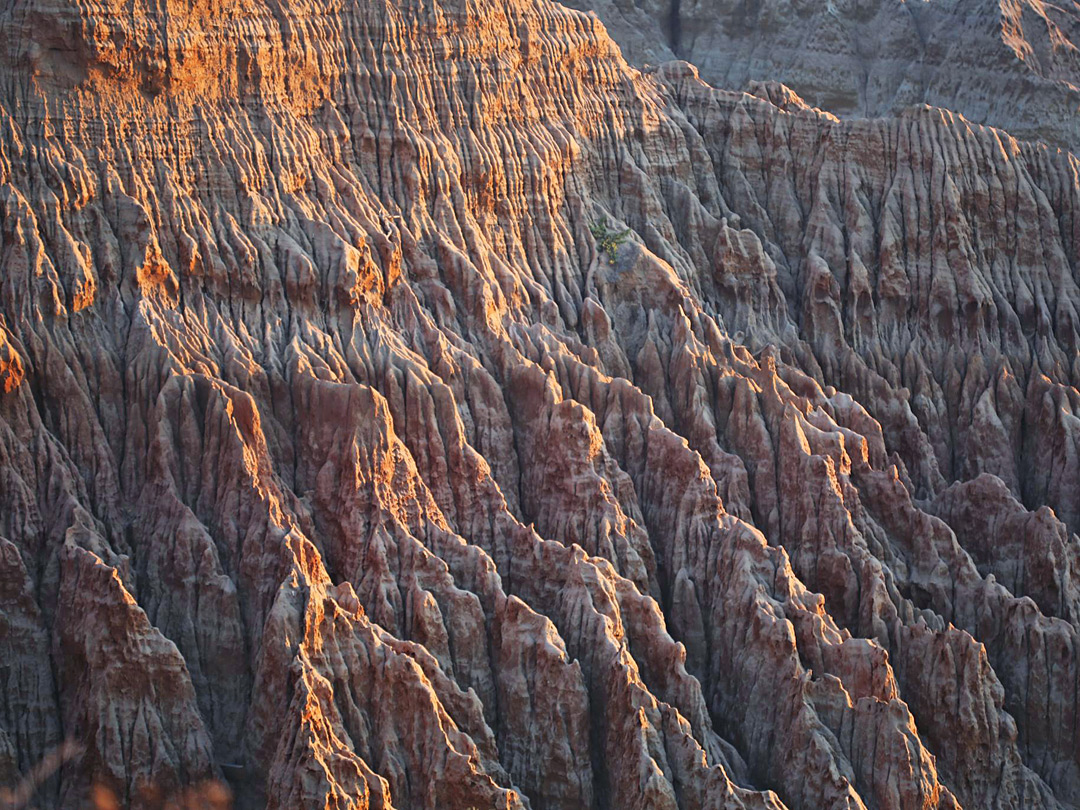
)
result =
(1013, 64)
(340, 463)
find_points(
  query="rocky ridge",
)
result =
(1013, 64)
(341, 465)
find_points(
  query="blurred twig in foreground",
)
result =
(204, 796)
(19, 797)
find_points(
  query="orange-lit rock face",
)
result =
(339, 465)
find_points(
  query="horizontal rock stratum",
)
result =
(411, 405)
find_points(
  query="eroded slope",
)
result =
(338, 463)
(1013, 64)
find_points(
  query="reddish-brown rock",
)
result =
(341, 465)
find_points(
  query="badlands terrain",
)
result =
(415, 405)
(1008, 63)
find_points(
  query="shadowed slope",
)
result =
(333, 448)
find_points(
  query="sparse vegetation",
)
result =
(18, 797)
(607, 240)
(202, 796)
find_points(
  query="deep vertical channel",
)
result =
(674, 26)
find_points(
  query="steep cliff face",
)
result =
(341, 464)
(1013, 64)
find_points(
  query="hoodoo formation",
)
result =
(412, 404)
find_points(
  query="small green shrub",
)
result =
(608, 241)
